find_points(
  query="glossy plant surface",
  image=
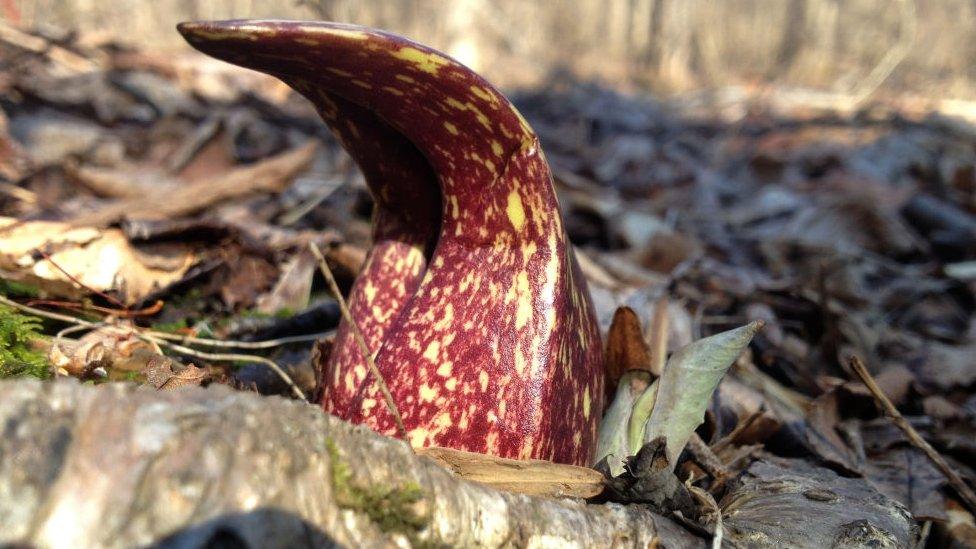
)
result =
(471, 299)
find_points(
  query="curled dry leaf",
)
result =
(163, 372)
(626, 348)
(119, 353)
(99, 259)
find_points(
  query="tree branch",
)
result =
(115, 466)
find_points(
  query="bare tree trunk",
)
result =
(114, 466)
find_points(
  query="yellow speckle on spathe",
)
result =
(496, 148)
(369, 403)
(577, 439)
(524, 311)
(405, 78)
(526, 128)
(247, 32)
(447, 318)
(483, 93)
(480, 116)
(443, 421)
(427, 393)
(381, 315)
(418, 437)
(432, 351)
(393, 90)
(516, 213)
(451, 384)
(451, 128)
(339, 72)
(362, 84)
(369, 291)
(502, 407)
(483, 380)
(428, 62)
(444, 370)
(520, 363)
(586, 403)
(345, 33)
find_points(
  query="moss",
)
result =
(174, 327)
(392, 509)
(14, 288)
(17, 357)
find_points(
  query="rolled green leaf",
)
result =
(691, 376)
(613, 441)
(639, 415)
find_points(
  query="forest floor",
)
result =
(178, 198)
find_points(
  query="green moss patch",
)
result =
(17, 356)
(392, 509)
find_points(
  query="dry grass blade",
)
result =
(387, 396)
(658, 336)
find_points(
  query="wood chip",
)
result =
(532, 477)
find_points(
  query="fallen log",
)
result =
(116, 466)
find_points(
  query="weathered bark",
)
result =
(789, 503)
(113, 466)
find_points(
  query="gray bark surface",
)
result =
(116, 466)
(789, 503)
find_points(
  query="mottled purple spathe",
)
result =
(470, 297)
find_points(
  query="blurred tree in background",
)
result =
(852, 47)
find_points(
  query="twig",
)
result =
(121, 313)
(923, 535)
(708, 500)
(234, 344)
(739, 428)
(46, 314)
(228, 357)
(705, 458)
(156, 339)
(358, 335)
(964, 491)
(893, 57)
(74, 279)
(228, 344)
(70, 330)
(18, 193)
